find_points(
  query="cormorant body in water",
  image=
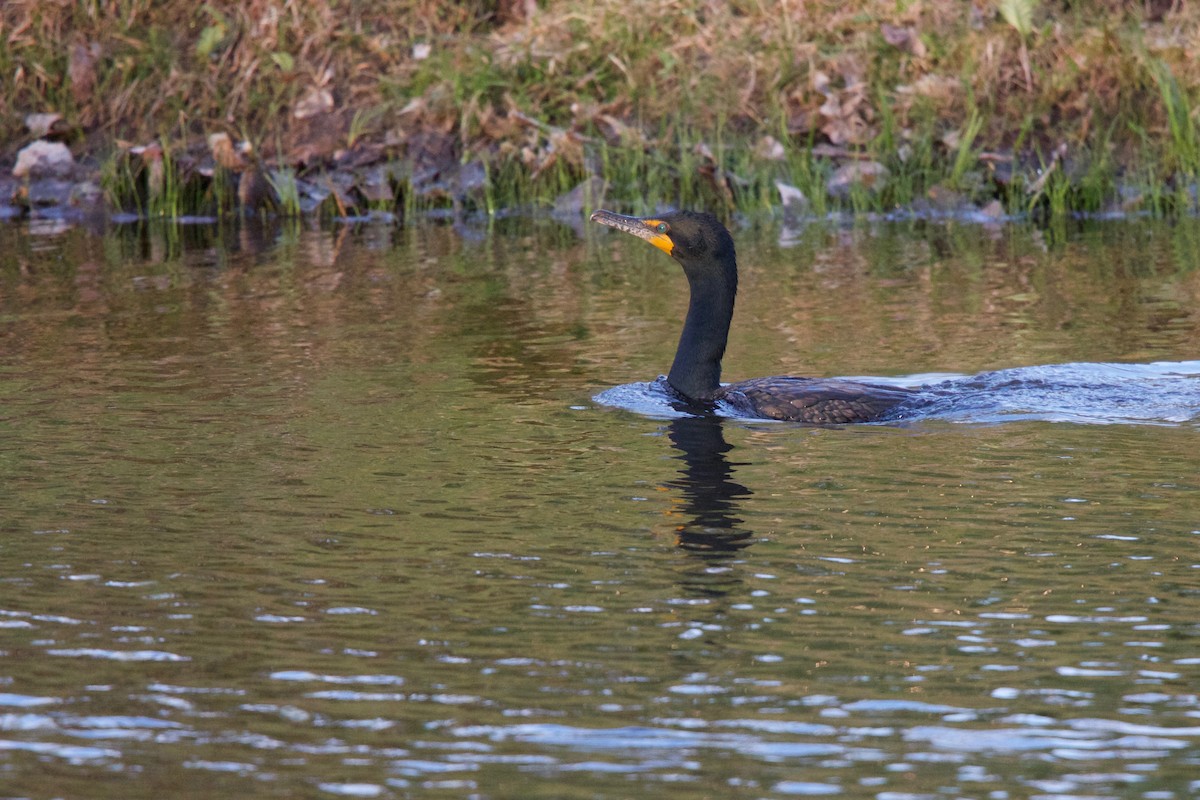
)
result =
(703, 246)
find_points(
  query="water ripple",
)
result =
(117, 655)
(1159, 393)
(74, 754)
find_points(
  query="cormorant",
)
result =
(703, 246)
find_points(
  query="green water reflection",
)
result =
(333, 514)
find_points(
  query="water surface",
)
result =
(334, 513)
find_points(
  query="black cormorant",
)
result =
(703, 246)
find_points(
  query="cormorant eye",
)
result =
(662, 227)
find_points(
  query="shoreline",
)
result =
(201, 190)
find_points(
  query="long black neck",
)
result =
(696, 371)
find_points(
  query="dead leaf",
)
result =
(618, 133)
(935, 87)
(905, 39)
(846, 114)
(315, 101)
(224, 153)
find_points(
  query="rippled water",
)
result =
(1162, 393)
(322, 514)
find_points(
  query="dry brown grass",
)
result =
(137, 69)
(536, 86)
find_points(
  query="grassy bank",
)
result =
(408, 104)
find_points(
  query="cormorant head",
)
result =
(695, 239)
(702, 246)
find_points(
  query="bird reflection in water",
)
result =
(705, 515)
